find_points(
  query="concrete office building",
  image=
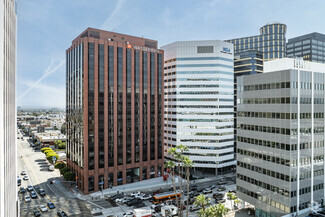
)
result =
(199, 109)
(248, 62)
(271, 41)
(310, 47)
(280, 138)
(8, 148)
(114, 109)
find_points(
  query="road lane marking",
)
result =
(37, 178)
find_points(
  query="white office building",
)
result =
(199, 112)
(8, 178)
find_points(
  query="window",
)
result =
(204, 49)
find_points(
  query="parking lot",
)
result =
(121, 204)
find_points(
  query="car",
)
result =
(199, 189)
(220, 200)
(61, 213)
(26, 178)
(207, 191)
(222, 183)
(145, 197)
(128, 214)
(218, 195)
(116, 196)
(27, 198)
(50, 205)
(37, 213)
(23, 173)
(213, 187)
(22, 190)
(135, 193)
(193, 188)
(18, 181)
(139, 205)
(41, 192)
(43, 208)
(133, 202)
(194, 208)
(30, 188)
(221, 189)
(33, 195)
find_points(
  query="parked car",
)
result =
(27, 198)
(26, 178)
(207, 191)
(135, 193)
(50, 205)
(23, 173)
(116, 196)
(221, 189)
(145, 197)
(33, 195)
(18, 181)
(218, 195)
(41, 192)
(43, 208)
(128, 214)
(37, 213)
(133, 202)
(22, 190)
(61, 213)
(222, 183)
(218, 200)
(30, 188)
(194, 208)
(139, 205)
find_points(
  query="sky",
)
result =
(46, 28)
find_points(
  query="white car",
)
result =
(129, 214)
(145, 197)
(27, 198)
(26, 178)
(43, 208)
(23, 173)
(137, 193)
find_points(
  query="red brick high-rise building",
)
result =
(114, 109)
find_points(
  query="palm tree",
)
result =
(221, 210)
(187, 164)
(202, 201)
(171, 165)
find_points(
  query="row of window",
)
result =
(199, 93)
(307, 175)
(300, 43)
(281, 85)
(199, 120)
(264, 171)
(264, 199)
(199, 86)
(199, 113)
(199, 106)
(202, 58)
(264, 185)
(200, 127)
(199, 65)
(275, 115)
(200, 140)
(203, 133)
(209, 154)
(265, 143)
(281, 100)
(264, 157)
(202, 79)
(204, 147)
(198, 99)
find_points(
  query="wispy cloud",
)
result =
(112, 20)
(50, 69)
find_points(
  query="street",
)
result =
(36, 166)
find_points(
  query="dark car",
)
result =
(50, 205)
(41, 192)
(22, 190)
(218, 195)
(220, 200)
(117, 196)
(158, 209)
(193, 188)
(33, 195)
(37, 213)
(139, 205)
(221, 189)
(61, 213)
(133, 202)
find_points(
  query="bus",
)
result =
(162, 197)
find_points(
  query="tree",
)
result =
(201, 201)
(64, 170)
(50, 155)
(45, 148)
(68, 176)
(62, 145)
(57, 143)
(183, 165)
(218, 210)
(60, 165)
(48, 151)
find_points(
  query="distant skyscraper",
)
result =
(8, 158)
(114, 109)
(271, 41)
(245, 63)
(310, 47)
(280, 138)
(199, 93)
